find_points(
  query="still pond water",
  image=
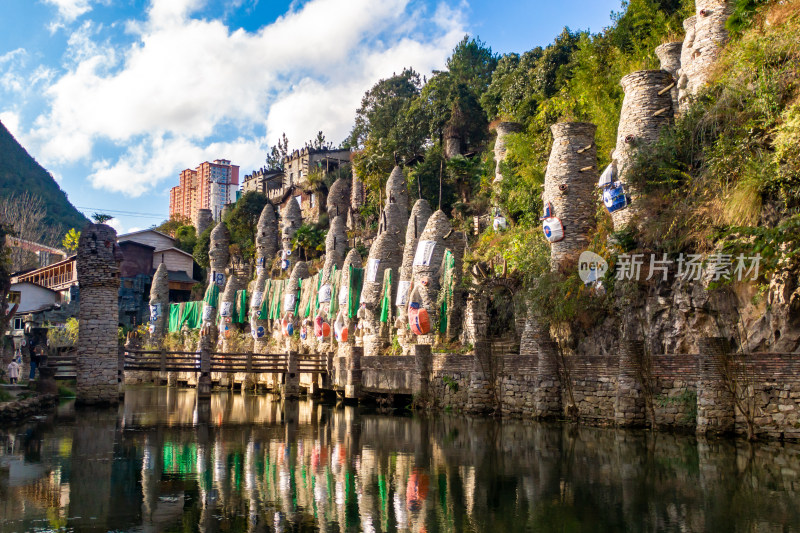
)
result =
(254, 463)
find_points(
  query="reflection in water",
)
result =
(253, 463)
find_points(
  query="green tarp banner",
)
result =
(446, 296)
(240, 315)
(386, 301)
(354, 292)
(263, 313)
(212, 295)
(189, 313)
(333, 308)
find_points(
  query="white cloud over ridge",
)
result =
(170, 100)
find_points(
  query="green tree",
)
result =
(200, 252)
(277, 154)
(186, 237)
(169, 227)
(243, 219)
(101, 218)
(309, 238)
(70, 242)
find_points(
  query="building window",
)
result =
(313, 200)
(19, 323)
(299, 200)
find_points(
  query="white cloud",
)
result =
(166, 99)
(69, 10)
(11, 64)
(10, 120)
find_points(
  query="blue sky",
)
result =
(115, 97)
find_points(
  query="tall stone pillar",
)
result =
(338, 204)
(427, 266)
(291, 380)
(423, 365)
(686, 59)
(645, 113)
(228, 309)
(353, 259)
(629, 404)
(547, 396)
(357, 195)
(291, 220)
(159, 305)
(203, 220)
(715, 405)
(483, 396)
(420, 214)
(385, 252)
(98, 275)
(502, 129)
(352, 389)
(707, 39)
(218, 256)
(670, 56)
(266, 239)
(569, 185)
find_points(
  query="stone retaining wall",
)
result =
(21, 409)
(463, 383)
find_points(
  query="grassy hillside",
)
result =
(20, 173)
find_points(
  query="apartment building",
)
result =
(209, 186)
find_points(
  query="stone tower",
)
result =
(420, 214)
(670, 56)
(397, 190)
(644, 113)
(353, 259)
(159, 305)
(203, 220)
(266, 239)
(98, 275)
(357, 194)
(335, 245)
(427, 265)
(502, 130)
(339, 199)
(569, 185)
(704, 41)
(291, 220)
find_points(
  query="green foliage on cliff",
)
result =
(20, 173)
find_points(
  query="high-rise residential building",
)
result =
(209, 186)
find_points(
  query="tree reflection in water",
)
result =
(254, 463)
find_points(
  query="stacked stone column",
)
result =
(670, 56)
(357, 195)
(291, 220)
(218, 255)
(339, 199)
(98, 275)
(234, 284)
(353, 356)
(420, 214)
(569, 186)
(629, 404)
(353, 259)
(159, 305)
(426, 277)
(387, 251)
(715, 404)
(502, 130)
(266, 239)
(203, 220)
(705, 39)
(547, 395)
(645, 113)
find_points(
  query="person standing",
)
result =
(13, 371)
(35, 359)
